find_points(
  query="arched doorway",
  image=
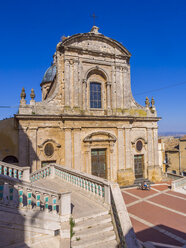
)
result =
(10, 160)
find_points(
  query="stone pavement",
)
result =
(158, 215)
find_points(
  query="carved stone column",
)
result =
(68, 147)
(113, 88)
(155, 132)
(149, 146)
(125, 88)
(76, 86)
(108, 85)
(84, 94)
(111, 165)
(118, 88)
(128, 148)
(77, 149)
(67, 83)
(121, 148)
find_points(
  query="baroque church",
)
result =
(88, 119)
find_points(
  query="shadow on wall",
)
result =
(9, 141)
(156, 235)
(18, 214)
(12, 221)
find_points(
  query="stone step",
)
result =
(92, 222)
(91, 216)
(109, 244)
(93, 231)
(94, 240)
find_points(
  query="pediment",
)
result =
(96, 43)
(100, 137)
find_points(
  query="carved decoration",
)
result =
(89, 138)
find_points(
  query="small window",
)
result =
(49, 150)
(139, 145)
(95, 95)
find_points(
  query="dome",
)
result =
(49, 74)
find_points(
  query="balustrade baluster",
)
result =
(10, 172)
(19, 174)
(83, 183)
(0, 169)
(47, 172)
(29, 198)
(38, 200)
(46, 198)
(96, 189)
(103, 192)
(88, 186)
(15, 173)
(54, 201)
(5, 170)
(21, 198)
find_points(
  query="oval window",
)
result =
(49, 149)
(139, 145)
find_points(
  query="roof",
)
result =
(183, 138)
(171, 144)
(49, 74)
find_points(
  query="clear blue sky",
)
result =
(153, 31)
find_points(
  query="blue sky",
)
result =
(153, 31)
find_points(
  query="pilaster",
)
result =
(68, 147)
(120, 148)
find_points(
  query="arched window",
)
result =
(95, 95)
(10, 160)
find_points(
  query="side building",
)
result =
(88, 119)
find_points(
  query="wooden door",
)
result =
(98, 162)
(138, 166)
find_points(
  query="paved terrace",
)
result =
(158, 215)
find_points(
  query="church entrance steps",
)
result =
(93, 232)
(95, 240)
(92, 216)
(82, 205)
(93, 229)
(91, 222)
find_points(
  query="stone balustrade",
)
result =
(92, 184)
(178, 183)
(23, 195)
(21, 173)
(173, 176)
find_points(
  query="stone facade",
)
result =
(175, 154)
(66, 120)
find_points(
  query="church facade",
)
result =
(88, 119)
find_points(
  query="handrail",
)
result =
(92, 184)
(178, 183)
(173, 176)
(108, 191)
(15, 171)
(19, 193)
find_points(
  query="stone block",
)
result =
(154, 173)
(125, 177)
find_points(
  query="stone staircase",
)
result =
(93, 224)
(94, 231)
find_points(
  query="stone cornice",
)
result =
(87, 117)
